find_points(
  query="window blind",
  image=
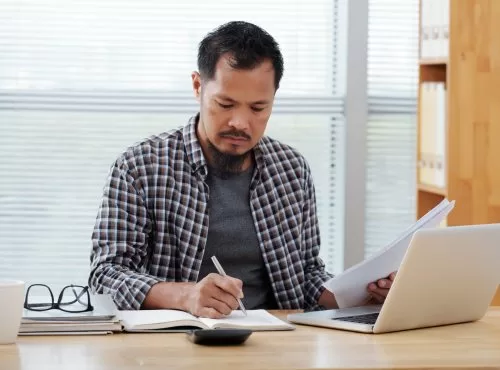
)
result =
(391, 127)
(82, 80)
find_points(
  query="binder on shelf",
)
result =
(440, 129)
(432, 150)
(434, 38)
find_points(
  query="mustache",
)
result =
(235, 133)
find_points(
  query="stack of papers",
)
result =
(102, 320)
(350, 287)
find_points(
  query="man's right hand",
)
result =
(214, 296)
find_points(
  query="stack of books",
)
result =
(102, 320)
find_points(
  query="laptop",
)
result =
(447, 276)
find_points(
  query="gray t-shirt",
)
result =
(233, 239)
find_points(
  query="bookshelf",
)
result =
(458, 135)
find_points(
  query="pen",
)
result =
(223, 273)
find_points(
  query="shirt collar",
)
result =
(192, 145)
(195, 152)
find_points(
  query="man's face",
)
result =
(234, 107)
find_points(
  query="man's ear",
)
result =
(196, 81)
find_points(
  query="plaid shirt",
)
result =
(152, 224)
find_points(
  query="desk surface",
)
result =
(471, 345)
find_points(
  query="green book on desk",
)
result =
(174, 320)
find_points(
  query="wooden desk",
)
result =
(472, 345)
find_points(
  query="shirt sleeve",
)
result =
(314, 267)
(119, 241)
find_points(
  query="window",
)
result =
(82, 80)
(391, 127)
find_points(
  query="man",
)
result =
(217, 186)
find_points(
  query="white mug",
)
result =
(11, 309)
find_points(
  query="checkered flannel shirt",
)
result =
(152, 223)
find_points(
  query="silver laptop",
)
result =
(447, 276)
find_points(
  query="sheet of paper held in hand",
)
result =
(350, 286)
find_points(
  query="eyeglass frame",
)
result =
(57, 305)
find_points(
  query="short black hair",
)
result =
(247, 44)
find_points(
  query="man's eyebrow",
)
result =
(259, 102)
(228, 99)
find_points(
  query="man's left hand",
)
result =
(380, 288)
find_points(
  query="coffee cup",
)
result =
(11, 309)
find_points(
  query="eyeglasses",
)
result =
(72, 298)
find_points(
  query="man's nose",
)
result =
(240, 122)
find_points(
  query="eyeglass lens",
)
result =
(39, 298)
(74, 299)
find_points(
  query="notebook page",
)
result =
(258, 320)
(156, 319)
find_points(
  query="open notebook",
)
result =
(168, 320)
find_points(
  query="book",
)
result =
(171, 320)
(70, 327)
(102, 320)
(350, 286)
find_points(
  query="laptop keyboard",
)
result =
(369, 318)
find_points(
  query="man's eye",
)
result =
(225, 106)
(255, 109)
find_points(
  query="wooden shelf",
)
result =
(471, 77)
(427, 201)
(434, 62)
(432, 189)
(433, 72)
(496, 298)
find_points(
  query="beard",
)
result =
(226, 164)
